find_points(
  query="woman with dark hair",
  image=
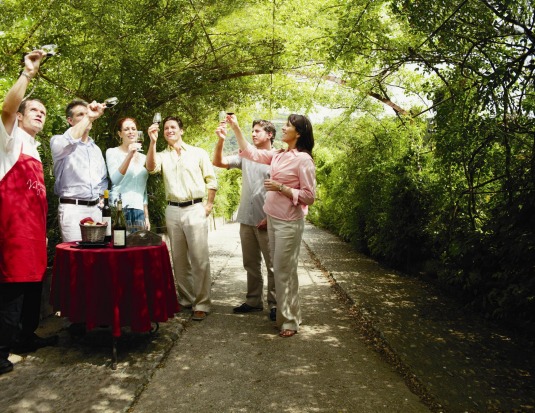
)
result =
(290, 189)
(128, 174)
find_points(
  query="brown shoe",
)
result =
(287, 333)
(199, 315)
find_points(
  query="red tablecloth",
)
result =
(116, 287)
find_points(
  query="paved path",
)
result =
(454, 359)
(238, 363)
(372, 341)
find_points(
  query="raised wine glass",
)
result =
(231, 109)
(157, 118)
(139, 140)
(222, 116)
(111, 102)
(50, 49)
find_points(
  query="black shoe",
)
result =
(273, 314)
(33, 343)
(246, 308)
(77, 330)
(5, 366)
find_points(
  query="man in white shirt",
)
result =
(188, 176)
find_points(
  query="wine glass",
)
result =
(231, 109)
(157, 118)
(139, 140)
(111, 102)
(50, 49)
(222, 116)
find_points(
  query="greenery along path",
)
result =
(456, 359)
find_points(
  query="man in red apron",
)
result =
(23, 210)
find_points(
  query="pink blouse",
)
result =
(294, 169)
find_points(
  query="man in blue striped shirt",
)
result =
(79, 169)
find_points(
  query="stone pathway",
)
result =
(238, 363)
(456, 360)
(372, 340)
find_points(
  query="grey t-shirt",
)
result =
(253, 193)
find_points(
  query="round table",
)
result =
(133, 286)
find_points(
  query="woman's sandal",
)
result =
(287, 333)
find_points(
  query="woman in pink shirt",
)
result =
(290, 190)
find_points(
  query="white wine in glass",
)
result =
(111, 102)
(50, 49)
(157, 118)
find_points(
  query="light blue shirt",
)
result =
(253, 192)
(133, 185)
(79, 168)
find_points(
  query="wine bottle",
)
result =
(106, 216)
(119, 227)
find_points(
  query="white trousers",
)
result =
(254, 246)
(285, 242)
(69, 217)
(187, 229)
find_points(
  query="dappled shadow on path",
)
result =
(465, 362)
(238, 363)
(76, 375)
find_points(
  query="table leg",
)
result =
(154, 329)
(114, 354)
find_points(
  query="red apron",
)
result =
(23, 210)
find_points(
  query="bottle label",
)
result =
(108, 228)
(119, 238)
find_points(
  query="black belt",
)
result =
(184, 204)
(78, 201)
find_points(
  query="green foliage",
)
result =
(460, 199)
(371, 190)
(228, 194)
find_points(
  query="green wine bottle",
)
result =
(106, 216)
(119, 227)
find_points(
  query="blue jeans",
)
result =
(134, 216)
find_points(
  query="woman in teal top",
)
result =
(126, 167)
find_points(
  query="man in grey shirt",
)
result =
(251, 216)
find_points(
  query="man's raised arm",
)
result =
(15, 95)
(218, 159)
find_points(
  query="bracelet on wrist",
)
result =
(26, 75)
(281, 187)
